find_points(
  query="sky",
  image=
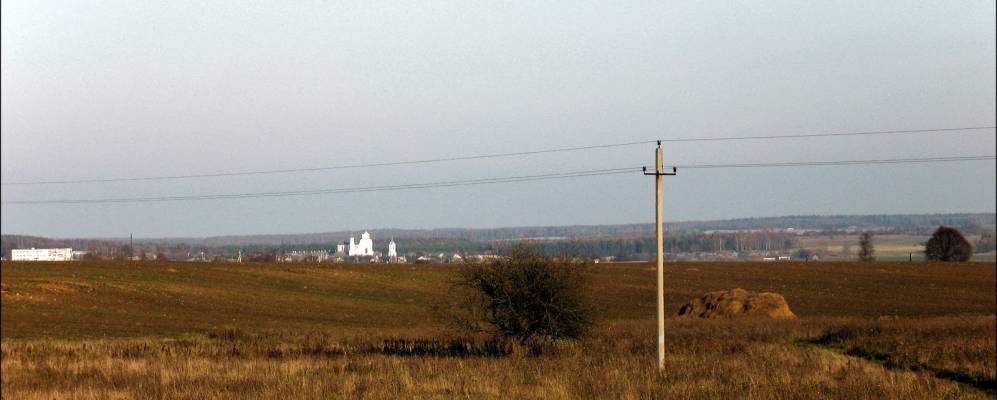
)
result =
(115, 89)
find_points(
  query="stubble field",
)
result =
(185, 330)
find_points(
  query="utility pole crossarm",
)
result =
(658, 169)
(675, 171)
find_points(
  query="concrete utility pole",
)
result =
(659, 236)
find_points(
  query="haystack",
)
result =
(737, 303)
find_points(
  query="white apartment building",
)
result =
(33, 254)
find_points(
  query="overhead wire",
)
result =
(465, 182)
(950, 130)
(495, 180)
(841, 162)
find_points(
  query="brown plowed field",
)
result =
(191, 330)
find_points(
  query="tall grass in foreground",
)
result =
(959, 349)
(705, 359)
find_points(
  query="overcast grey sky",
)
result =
(121, 89)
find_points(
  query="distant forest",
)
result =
(908, 223)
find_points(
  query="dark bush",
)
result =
(947, 244)
(525, 295)
(263, 256)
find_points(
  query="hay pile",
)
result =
(737, 303)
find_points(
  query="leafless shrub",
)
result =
(525, 295)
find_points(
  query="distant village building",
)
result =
(392, 251)
(305, 255)
(33, 254)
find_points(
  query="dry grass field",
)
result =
(184, 330)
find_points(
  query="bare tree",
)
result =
(867, 252)
(123, 253)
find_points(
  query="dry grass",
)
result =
(956, 348)
(181, 330)
(706, 359)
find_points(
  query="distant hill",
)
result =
(904, 222)
(914, 223)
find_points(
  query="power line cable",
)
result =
(484, 181)
(487, 156)
(833, 134)
(466, 182)
(844, 162)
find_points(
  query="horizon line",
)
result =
(112, 238)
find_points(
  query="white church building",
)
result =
(392, 251)
(363, 248)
